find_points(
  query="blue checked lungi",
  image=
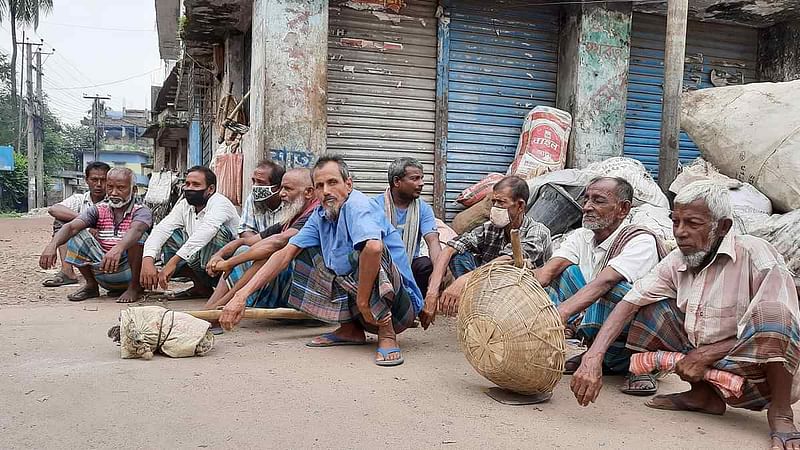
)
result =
(319, 292)
(199, 260)
(771, 335)
(273, 295)
(462, 264)
(617, 358)
(84, 250)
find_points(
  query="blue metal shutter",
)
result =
(724, 48)
(503, 61)
(382, 89)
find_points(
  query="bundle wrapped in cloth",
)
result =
(144, 330)
(729, 384)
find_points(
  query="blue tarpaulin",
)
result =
(7, 158)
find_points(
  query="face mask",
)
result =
(195, 197)
(499, 217)
(262, 193)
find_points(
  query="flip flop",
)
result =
(59, 279)
(389, 362)
(571, 365)
(83, 294)
(785, 436)
(333, 341)
(631, 378)
(185, 294)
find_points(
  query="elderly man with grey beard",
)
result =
(722, 301)
(239, 260)
(594, 268)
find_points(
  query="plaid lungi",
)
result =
(319, 292)
(617, 358)
(771, 335)
(273, 295)
(199, 260)
(84, 250)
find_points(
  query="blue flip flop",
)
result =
(389, 362)
(333, 341)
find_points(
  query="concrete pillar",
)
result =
(779, 52)
(183, 150)
(594, 52)
(288, 76)
(234, 64)
(158, 158)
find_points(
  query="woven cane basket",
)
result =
(510, 331)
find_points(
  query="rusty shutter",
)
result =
(382, 88)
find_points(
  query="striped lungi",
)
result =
(617, 358)
(770, 335)
(319, 292)
(84, 250)
(273, 295)
(199, 260)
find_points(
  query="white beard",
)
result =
(595, 225)
(116, 205)
(695, 259)
(291, 209)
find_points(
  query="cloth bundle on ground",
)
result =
(144, 330)
(729, 384)
(752, 133)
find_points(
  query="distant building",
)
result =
(122, 142)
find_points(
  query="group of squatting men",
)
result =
(309, 241)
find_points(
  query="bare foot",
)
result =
(131, 295)
(695, 400)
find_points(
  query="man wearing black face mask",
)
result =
(196, 228)
(262, 208)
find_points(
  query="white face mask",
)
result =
(499, 217)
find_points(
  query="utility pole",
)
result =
(674, 54)
(41, 201)
(20, 102)
(96, 121)
(31, 140)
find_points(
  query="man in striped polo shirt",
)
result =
(113, 259)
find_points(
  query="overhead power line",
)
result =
(87, 27)
(110, 82)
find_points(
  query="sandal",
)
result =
(187, 294)
(83, 293)
(385, 352)
(785, 436)
(631, 379)
(571, 365)
(59, 279)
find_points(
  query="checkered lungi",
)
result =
(771, 335)
(617, 358)
(84, 250)
(319, 292)
(199, 260)
(273, 295)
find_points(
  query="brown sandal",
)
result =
(83, 293)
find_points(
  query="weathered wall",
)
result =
(593, 78)
(288, 80)
(779, 52)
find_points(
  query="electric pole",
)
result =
(96, 121)
(31, 140)
(20, 102)
(41, 200)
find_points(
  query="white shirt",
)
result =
(637, 258)
(78, 202)
(200, 228)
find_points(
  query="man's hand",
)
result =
(448, 305)
(148, 277)
(49, 256)
(366, 311)
(588, 379)
(211, 267)
(110, 262)
(233, 311)
(693, 366)
(428, 314)
(166, 273)
(563, 314)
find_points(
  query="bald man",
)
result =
(251, 252)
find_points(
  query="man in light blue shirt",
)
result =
(412, 216)
(350, 267)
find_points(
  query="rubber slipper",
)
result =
(572, 364)
(186, 294)
(631, 379)
(333, 341)
(785, 436)
(59, 279)
(385, 352)
(83, 294)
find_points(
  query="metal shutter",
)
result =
(502, 63)
(382, 89)
(725, 48)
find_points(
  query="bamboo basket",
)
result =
(509, 329)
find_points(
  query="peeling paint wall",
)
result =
(596, 47)
(779, 52)
(288, 80)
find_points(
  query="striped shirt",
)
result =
(110, 230)
(719, 300)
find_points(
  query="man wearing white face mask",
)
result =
(262, 208)
(488, 242)
(113, 259)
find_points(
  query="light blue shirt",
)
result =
(360, 220)
(427, 221)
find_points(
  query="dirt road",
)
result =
(63, 385)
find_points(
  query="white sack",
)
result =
(645, 189)
(143, 328)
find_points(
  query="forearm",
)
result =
(369, 263)
(260, 252)
(712, 353)
(621, 315)
(66, 232)
(552, 269)
(434, 246)
(440, 269)
(230, 248)
(62, 213)
(269, 271)
(585, 297)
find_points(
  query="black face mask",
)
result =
(195, 197)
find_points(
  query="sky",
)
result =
(96, 42)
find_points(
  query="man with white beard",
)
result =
(113, 259)
(251, 252)
(723, 301)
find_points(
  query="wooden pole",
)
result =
(674, 53)
(516, 248)
(254, 313)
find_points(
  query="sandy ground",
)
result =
(63, 385)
